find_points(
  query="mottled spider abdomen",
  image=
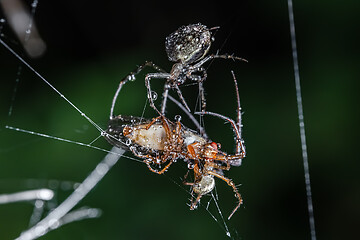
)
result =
(188, 44)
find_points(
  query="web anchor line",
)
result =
(301, 122)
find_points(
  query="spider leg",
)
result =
(197, 176)
(116, 96)
(239, 146)
(194, 203)
(192, 118)
(147, 161)
(131, 77)
(185, 182)
(222, 56)
(239, 141)
(199, 79)
(165, 96)
(218, 166)
(240, 153)
(202, 95)
(181, 97)
(147, 84)
(231, 184)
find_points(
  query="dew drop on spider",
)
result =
(190, 165)
(131, 77)
(128, 142)
(177, 118)
(153, 95)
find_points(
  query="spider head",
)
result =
(188, 44)
(211, 150)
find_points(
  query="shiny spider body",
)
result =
(188, 47)
(160, 142)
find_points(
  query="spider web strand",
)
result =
(50, 85)
(301, 122)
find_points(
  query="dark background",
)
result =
(92, 45)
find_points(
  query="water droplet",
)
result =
(190, 165)
(177, 118)
(153, 95)
(131, 77)
(128, 142)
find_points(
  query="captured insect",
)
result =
(161, 142)
(187, 47)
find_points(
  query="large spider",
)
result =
(187, 47)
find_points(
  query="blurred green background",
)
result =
(91, 46)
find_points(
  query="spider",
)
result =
(161, 142)
(187, 47)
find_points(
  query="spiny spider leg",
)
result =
(192, 118)
(222, 56)
(240, 149)
(239, 142)
(198, 67)
(238, 123)
(167, 86)
(131, 77)
(231, 184)
(181, 97)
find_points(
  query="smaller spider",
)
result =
(187, 47)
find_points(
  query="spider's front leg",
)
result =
(200, 80)
(148, 77)
(131, 77)
(222, 56)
